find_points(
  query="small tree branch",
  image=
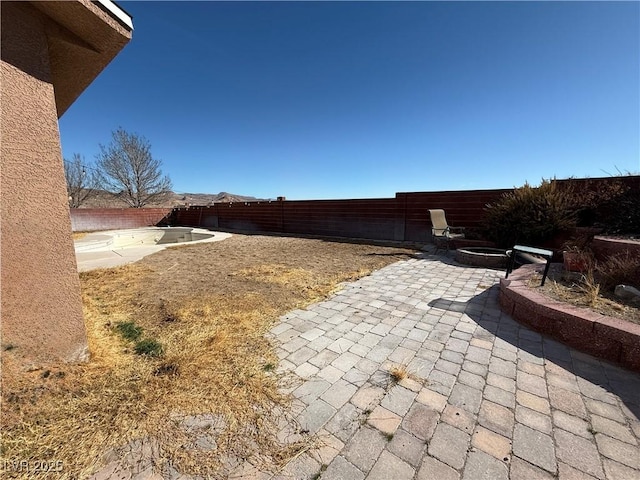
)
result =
(82, 180)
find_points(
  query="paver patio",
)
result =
(486, 398)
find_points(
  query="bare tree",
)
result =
(82, 180)
(129, 171)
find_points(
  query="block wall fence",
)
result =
(92, 219)
(404, 218)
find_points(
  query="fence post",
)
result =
(399, 233)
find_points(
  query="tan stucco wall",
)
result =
(41, 308)
(41, 304)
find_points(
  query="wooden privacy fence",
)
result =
(403, 218)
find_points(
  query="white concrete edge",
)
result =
(94, 253)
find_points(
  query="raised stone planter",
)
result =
(599, 335)
(605, 247)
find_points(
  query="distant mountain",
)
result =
(208, 198)
(105, 200)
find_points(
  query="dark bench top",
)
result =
(547, 254)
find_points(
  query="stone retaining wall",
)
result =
(94, 219)
(605, 337)
(604, 247)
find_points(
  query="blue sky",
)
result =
(314, 100)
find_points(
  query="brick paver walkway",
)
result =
(486, 398)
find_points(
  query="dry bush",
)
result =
(619, 269)
(529, 215)
(590, 288)
(588, 197)
(621, 215)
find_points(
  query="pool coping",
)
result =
(93, 252)
(605, 337)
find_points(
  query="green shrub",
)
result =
(149, 347)
(530, 215)
(129, 330)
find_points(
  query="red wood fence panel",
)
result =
(403, 218)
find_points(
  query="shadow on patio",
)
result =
(600, 376)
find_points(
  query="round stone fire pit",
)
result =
(482, 257)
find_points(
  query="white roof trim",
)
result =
(117, 12)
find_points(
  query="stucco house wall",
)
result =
(41, 308)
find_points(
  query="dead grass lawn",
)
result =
(209, 306)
